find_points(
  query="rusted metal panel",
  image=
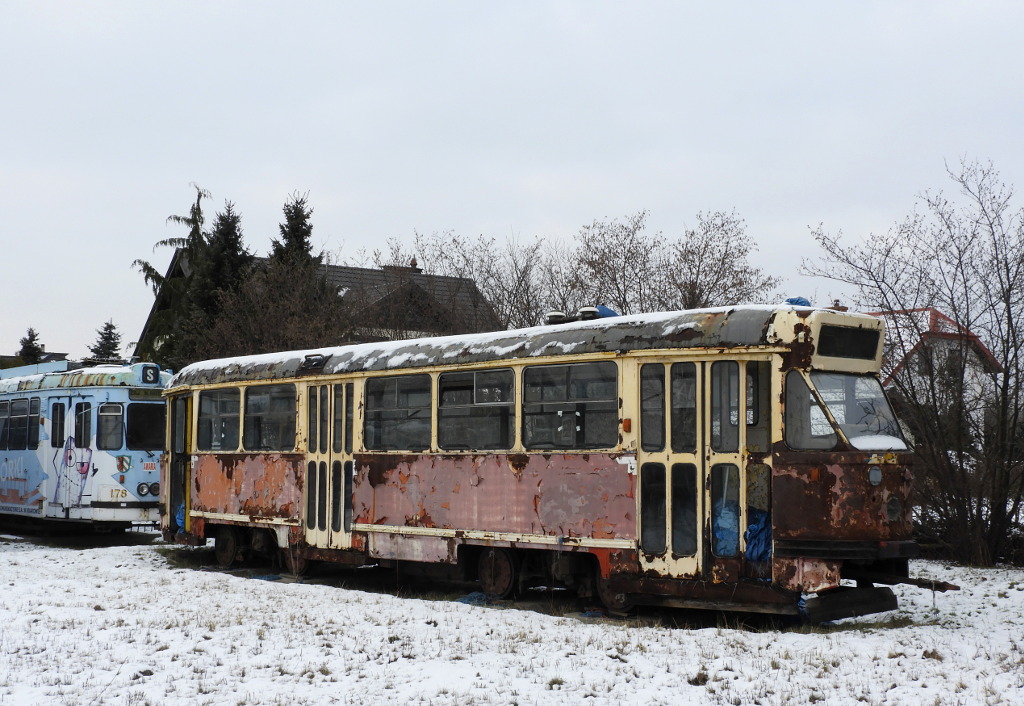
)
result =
(729, 595)
(259, 486)
(411, 548)
(563, 495)
(831, 496)
(805, 575)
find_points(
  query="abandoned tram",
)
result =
(740, 458)
(79, 446)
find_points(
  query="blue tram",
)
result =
(81, 444)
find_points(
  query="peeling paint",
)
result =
(564, 495)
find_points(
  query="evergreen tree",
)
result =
(108, 344)
(284, 303)
(31, 351)
(224, 265)
(296, 233)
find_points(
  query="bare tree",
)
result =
(959, 386)
(709, 265)
(613, 262)
(560, 285)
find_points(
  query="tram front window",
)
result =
(859, 406)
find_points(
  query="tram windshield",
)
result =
(856, 402)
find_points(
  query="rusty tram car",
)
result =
(741, 458)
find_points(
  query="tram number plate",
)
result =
(113, 494)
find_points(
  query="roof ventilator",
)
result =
(586, 313)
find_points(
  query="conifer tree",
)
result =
(225, 263)
(108, 343)
(296, 233)
(285, 302)
(31, 351)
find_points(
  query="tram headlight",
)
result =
(874, 475)
(154, 488)
(142, 489)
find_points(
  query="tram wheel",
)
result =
(615, 602)
(293, 561)
(226, 546)
(498, 571)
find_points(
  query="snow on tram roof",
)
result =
(723, 326)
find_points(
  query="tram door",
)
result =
(73, 461)
(179, 466)
(699, 424)
(671, 468)
(328, 487)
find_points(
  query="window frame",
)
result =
(497, 417)
(221, 416)
(390, 425)
(274, 429)
(110, 426)
(546, 413)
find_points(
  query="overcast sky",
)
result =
(525, 119)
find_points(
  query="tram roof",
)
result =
(94, 376)
(725, 327)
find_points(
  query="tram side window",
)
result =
(5, 423)
(725, 404)
(109, 426)
(269, 423)
(652, 407)
(807, 427)
(758, 406)
(342, 418)
(570, 406)
(83, 425)
(180, 439)
(218, 420)
(33, 423)
(725, 509)
(475, 410)
(684, 407)
(398, 413)
(19, 424)
(653, 508)
(349, 419)
(145, 426)
(318, 409)
(57, 412)
(339, 419)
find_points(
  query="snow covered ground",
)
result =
(120, 625)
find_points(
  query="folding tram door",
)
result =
(328, 486)
(700, 423)
(179, 466)
(74, 463)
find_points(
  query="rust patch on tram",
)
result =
(561, 495)
(258, 486)
(833, 497)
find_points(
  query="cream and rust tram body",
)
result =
(740, 458)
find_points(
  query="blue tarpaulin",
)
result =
(758, 535)
(725, 522)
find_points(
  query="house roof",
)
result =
(911, 330)
(376, 285)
